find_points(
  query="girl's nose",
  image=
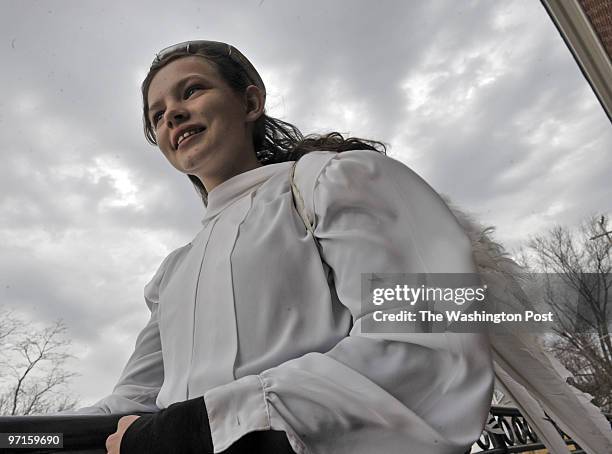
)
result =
(175, 115)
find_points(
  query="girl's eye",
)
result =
(157, 117)
(190, 90)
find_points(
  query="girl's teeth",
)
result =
(187, 134)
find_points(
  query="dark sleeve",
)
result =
(183, 428)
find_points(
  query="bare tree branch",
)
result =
(34, 363)
(583, 261)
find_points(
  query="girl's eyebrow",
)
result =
(177, 88)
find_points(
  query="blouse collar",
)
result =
(231, 190)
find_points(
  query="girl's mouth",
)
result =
(189, 138)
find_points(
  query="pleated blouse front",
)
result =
(256, 318)
(202, 308)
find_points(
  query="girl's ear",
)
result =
(255, 102)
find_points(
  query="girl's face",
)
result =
(203, 127)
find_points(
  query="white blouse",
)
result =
(249, 316)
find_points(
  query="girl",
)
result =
(255, 342)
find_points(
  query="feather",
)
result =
(530, 409)
(533, 378)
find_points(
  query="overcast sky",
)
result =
(481, 98)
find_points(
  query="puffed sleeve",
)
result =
(143, 375)
(391, 393)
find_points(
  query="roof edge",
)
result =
(584, 44)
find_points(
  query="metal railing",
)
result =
(506, 432)
(81, 433)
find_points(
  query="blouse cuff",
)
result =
(236, 409)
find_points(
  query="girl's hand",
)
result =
(113, 442)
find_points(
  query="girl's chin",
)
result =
(191, 162)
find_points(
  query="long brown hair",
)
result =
(274, 140)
